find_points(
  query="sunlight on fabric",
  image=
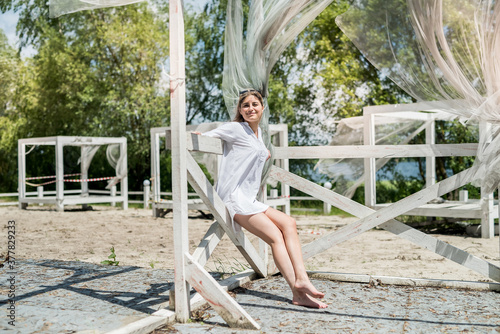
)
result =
(439, 50)
(61, 7)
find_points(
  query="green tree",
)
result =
(12, 71)
(98, 73)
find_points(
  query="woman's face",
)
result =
(251, 109)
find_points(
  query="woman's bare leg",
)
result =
(261, 226)
(265, 228)
(288, 227)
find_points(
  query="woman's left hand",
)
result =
(269, 155)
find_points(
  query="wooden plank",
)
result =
(373, 218)
(376, 151)
(228, 284)
(204, 144)
(72, 200)
(214, 294)
(418, 106)
(430, 161)
(370, 167)
(155, 166)
(207, 193)
(179, 173)
(146, 325)
(453, 210)
(124, 180)
(21, 171)
(59, 175)
(405, 281)
(207, 245)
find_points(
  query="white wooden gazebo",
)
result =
(84, 196)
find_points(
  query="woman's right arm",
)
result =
(225, 132)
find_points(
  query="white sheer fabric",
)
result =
(61, 7)
(249, 55)
(397, 128)
(439, 50)
(117, 160)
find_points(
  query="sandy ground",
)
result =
(141, 240)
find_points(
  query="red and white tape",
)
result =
(90, 180)
(71, 180)
(50, 177)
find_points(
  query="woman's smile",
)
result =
(251, 109)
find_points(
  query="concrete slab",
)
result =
(77, 297)
(359, 308)
(68, 297)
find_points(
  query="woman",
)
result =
(238, 185)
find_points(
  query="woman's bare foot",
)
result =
(307, 287)
(302, 299)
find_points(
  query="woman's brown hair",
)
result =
(243, 95)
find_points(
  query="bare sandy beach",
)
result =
(141, 240)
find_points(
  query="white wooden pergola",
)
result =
(60, 199)
(189, 268)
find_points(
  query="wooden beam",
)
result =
(207, 245)
(376, 151)
(21, 172)
(179, 152)
(437, 106)
(383, 218)
(59, 175)
(204, 144)
(207, 193)
(217, 297)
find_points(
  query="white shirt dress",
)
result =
(241, 169)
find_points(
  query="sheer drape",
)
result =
(439, 50)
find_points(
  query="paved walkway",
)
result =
(72, 297)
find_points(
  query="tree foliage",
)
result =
(97, 73)
(12, 71)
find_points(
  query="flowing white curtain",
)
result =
(61, 7)
(439, 50)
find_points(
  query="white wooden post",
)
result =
(179, 167)
(285, 188)
(21, 166)
(463, 196)
(113, 194)
(487, 220)
(146, 189)
(124, 180)
(84, 172)
(273, 194)
(327, 207)
(369, 163)
(155, 168)
(84, 175)
(59, 174)
(430, 161)
(39, 191)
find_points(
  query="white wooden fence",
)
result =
(36, 197)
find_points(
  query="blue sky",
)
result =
(8, 23)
